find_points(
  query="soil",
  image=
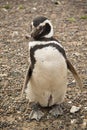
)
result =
(69, 18)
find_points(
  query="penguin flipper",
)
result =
(27, 78)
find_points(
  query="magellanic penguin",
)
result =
(46, 79)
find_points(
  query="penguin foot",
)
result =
(36, 114)
(56, 111)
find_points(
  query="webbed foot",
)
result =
(36, 113)
(56, 111)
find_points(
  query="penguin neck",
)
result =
(45, 39)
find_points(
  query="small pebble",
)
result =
(84, 124)
(74, 109)
(85, 108)
(56, 2)
(70, 102)
(15, 33)
(77, 54)
(73, 81)
(73, 121)
(34, 8)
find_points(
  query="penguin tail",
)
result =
(75, 74)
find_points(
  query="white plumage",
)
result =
(49, 77)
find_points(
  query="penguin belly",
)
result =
(48, 82)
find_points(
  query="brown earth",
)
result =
(69, 18)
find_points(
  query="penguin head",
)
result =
(41, 28)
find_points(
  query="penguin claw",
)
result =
(36, 114)
(56, 111)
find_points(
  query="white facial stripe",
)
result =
(50, 34)
(33, 43)
(32, 25)
(46, 21)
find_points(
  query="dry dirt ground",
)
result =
(69, 18)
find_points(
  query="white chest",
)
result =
(49, 77)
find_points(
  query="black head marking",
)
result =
(39, 20)
(45, 30)
(41, 28)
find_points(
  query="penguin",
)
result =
(46, 79)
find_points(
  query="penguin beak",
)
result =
(36, 31)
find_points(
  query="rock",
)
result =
(70, 102)
(5, 10)
(84, 124)
(27, 36)
(73, 121)
(56, 2)
(85, 108)
(15, 33)
(77, 54)
(34, 8)
(73, 81)
(74, 109)
(3, 75)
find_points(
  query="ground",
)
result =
(69, 18)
